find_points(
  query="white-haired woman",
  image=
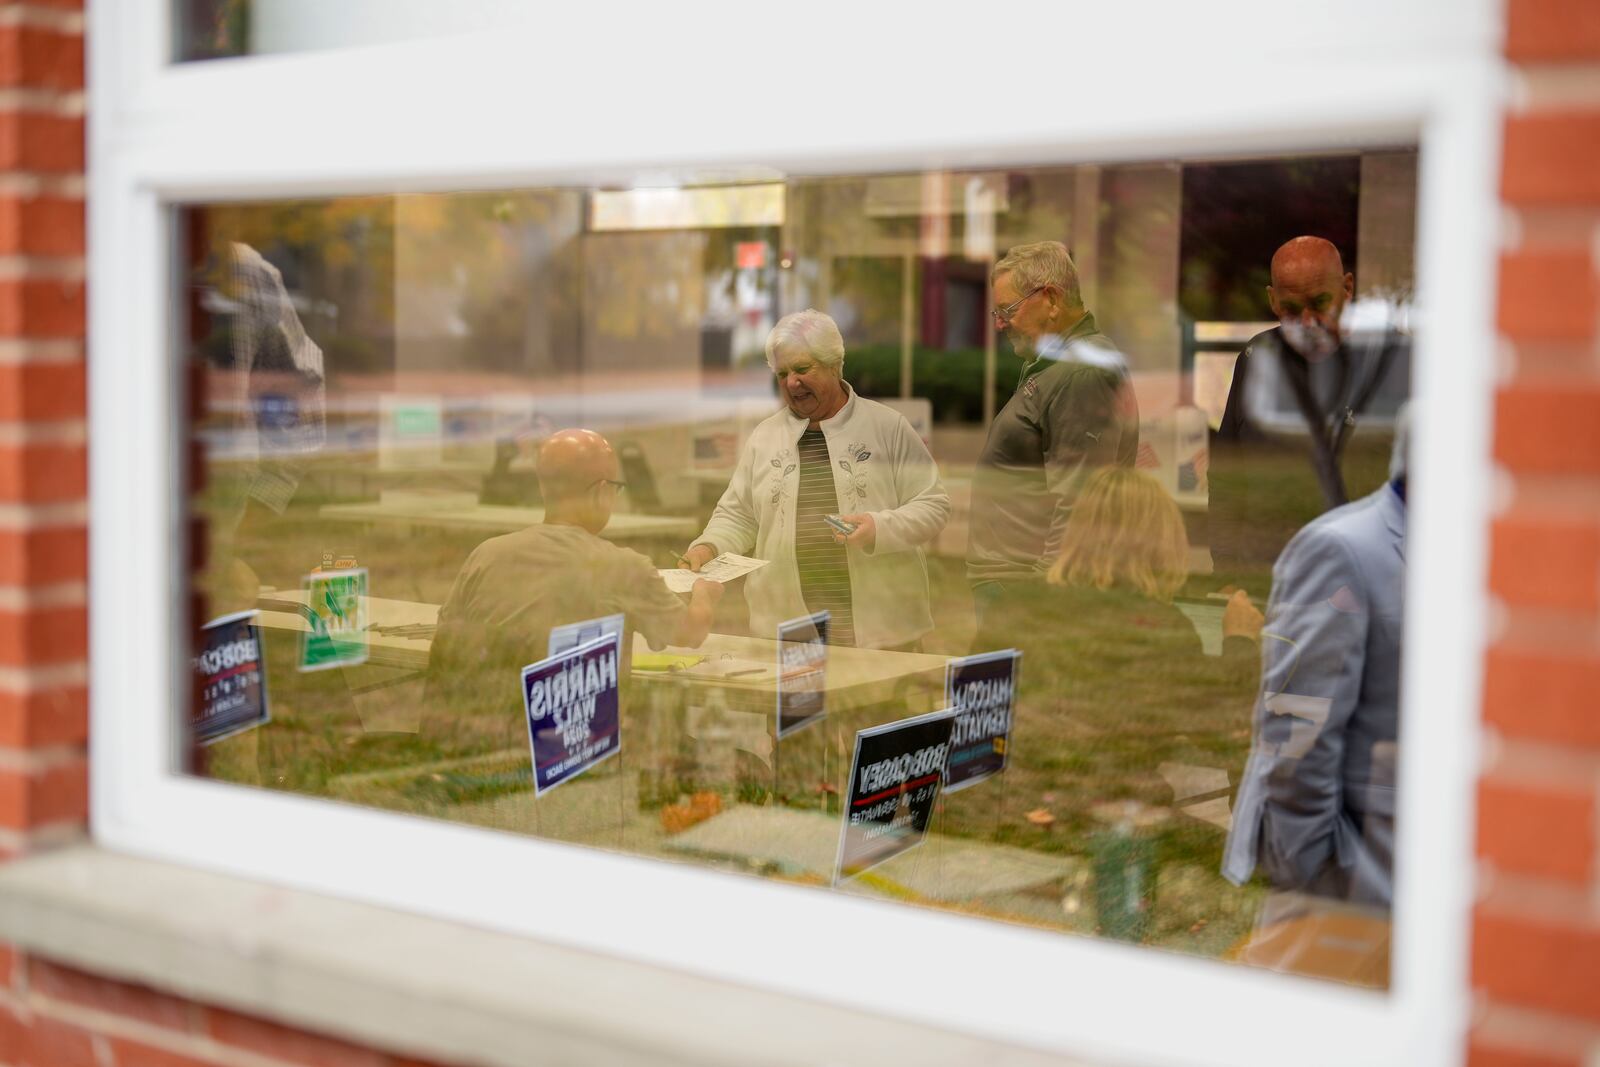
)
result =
(830, 452)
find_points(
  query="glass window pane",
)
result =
(1055, 516)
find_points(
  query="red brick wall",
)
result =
(54, 1016)
(1536, 933)
(43, 453)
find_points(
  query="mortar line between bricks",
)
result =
(45, 18)
(43, 268)
(37, 761)
(38, 183)
(1526, 762)
(68, 104)
(71, 594)
(15, 352)
(26, 681)
(1553, 86)
(1504, 892)
(1498, 1016)
(73, 431)
(43, 516)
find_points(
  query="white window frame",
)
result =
(593, 93)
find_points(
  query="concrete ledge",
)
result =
(424, 986)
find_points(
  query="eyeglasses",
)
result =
(1002, 316)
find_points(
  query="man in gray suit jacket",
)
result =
(1316, 806)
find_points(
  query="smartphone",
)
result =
(846, 528)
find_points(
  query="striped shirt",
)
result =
(822, 562)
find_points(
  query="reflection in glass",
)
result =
(1127, 426)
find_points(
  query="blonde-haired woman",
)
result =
(1115, 681)
(1125, 533)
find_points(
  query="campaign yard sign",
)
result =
(574, 721)
(337, 602)
(981, 690)
(233, 678)
(574, 634)
(895, 778)
(802, 671)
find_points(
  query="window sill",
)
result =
(426, 986)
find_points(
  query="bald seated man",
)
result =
(515, 588)
(1297, 437)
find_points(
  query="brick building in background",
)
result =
(1536, 933)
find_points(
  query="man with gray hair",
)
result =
(830, 453)
(1073, 411)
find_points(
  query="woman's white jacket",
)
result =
(881, 467)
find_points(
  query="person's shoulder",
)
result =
(1090, 358)
(1098, 350)
(1088, 352)
(1340, 536)
(774, 426)
(1267, 340)
(1237, 422)
(610, 553)
(554, 544)
(868, 408)
(866, 405)
(481, 569)
(778, 417)
(629, 576)
(1102, 619)
(497, 548)
(1138, 612)
(603, 564)
(1353, 518)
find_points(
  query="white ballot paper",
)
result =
(724, 568)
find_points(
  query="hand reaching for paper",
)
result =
(697, 556)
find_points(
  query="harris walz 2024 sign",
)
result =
(573, 713)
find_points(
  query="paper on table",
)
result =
(665, 661)
(724, 568)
